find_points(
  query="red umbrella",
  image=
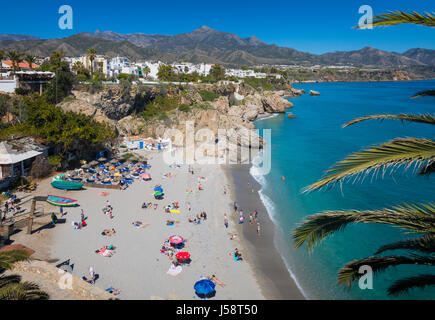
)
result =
(146, 175)
(184, 255)
(176, 239)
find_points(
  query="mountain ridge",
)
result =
(207, 45)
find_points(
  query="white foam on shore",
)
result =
(268, 117)
(254, 171)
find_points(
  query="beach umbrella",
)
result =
(113, 161)
(183, 255)
(86, 166)
(176, 239)
(102, 159)
(158, 193)
(103, 194)
(93, 163)
(205, 288)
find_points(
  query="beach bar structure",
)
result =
(17, 156)
(138, 142)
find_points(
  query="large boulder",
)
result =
(273, 103)
(314, 93)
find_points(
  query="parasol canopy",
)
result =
(184, 255)
(86, 166)
(176, 239)
(93, 163)
(102, 159)
(205, 288)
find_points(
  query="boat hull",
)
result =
(61, 201)
(66, 185)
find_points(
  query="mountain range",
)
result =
(210, 46)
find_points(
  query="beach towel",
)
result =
(113, 291)
(174, 211)
(174, 271)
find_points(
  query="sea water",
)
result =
(305, 147)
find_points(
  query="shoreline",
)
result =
(269, 267)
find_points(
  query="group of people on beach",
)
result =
(253, 217)
(11, 206)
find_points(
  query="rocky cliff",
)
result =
(236, 107)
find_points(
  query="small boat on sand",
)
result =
(59, 183)
(61, 201)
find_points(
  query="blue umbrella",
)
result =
(205, 288)
(158, 189)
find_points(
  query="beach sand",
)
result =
(138, 268)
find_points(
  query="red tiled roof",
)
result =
(22, 64)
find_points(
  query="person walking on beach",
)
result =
(255, 215)
(250, 218)
(258, 228)
(225, 220)
(241, 217)
(82, 215)
(235, 206)
(225, 190)
(61, 211)
(91, 275)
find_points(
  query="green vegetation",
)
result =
(11, 286)
(208, 95)
(265, 84)
(160, 105)
(184, 108)
(418, 219)
(55, 160)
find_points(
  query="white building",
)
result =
(99, 64)
(239, 73)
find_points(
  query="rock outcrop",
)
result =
(314, 93)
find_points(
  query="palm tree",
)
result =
(78, 67)
(146, 70)
(30, 59)
(91, 53)
(2, 55)
(15, 57)
(416, 218)
(11, 287)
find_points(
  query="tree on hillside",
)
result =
(3, 55)
(15, 57)
(217, 72)
(413, 218)
(30, 59)
(91, 53)
(146, 70)
(166, 73)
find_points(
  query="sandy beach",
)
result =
(138, 268)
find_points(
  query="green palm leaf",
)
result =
(398, 17)
(23, 291)
(7, 280)
(426, 93)
(350, 272)
(422, 118)
(388, 155)
(403, 285)
(424, 244)
(418, 218)
(8, 258)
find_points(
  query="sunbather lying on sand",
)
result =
(217, 281)
(106, 251)
(172, 222)
(140, 224)
(107, 232)
(113, 291)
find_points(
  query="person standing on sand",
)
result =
(255, 215)
(250, 218)
(92, 275)
(241, 217)
(235, 206)
(225, 190)
(258, 228)
(82, 215)
(225, 220)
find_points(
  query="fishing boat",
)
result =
(59, 183)
(61, 201)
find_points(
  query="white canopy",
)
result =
(10, 156)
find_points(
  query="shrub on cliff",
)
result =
(160, 105)
(208, 95)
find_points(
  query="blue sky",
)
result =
(307, 25)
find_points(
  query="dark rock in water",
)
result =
(314, 93)
(291, 115)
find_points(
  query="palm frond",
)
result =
(350, 272)
(388, 155)
(403, 285)
(417, 218)
(7, 280)
(398, 17)
(424, 244)
(23, 291)
(422, 118)
(426, 93)
(427, 169)
(8, 258)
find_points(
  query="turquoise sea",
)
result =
(305, 147)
